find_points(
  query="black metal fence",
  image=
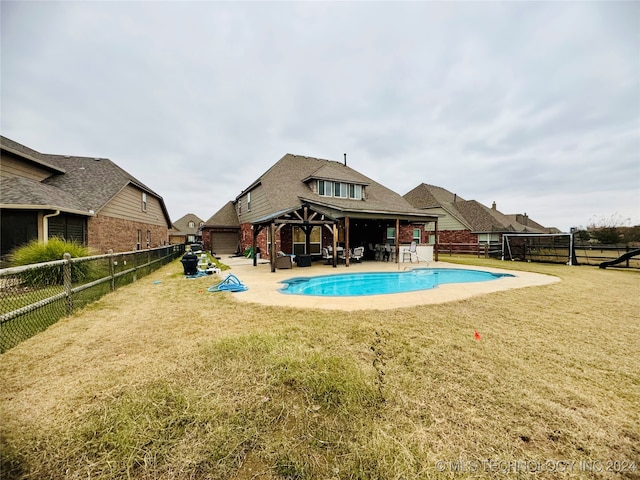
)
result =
(584, 254)
(588, 254)
(33, 297)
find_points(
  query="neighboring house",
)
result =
(468, 221)
(89, 200)
(302, 204)
(221, 233)
(186, 230)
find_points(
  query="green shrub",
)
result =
(54, 249)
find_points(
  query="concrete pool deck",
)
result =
(263, 285)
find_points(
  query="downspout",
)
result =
(45, 225)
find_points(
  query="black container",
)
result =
(190, 263)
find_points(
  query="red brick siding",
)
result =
(110, 233)
(246, 239)
(457, 236)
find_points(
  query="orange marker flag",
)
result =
(476, 335)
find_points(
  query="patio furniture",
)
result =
(326, 256)
(284, 261)
(303, 260)
(357, 254)
(411, 251)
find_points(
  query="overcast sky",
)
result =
(533, 105)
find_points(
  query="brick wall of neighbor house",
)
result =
(405, 234)
(457, 236)
(119, 235)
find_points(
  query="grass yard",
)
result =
(168, 381)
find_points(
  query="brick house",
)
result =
(221, 233)
(468, 221)
(302, 204)
(88, 200)
(186, 230)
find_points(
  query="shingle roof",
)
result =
(84, 183)
(476, 216)
(25, 192)
(426, 196)
(292, 171)
(94, 181)
(225, 217)
(182, 224)
(27, 153)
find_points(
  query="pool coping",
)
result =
(263, 285)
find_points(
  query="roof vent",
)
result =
(345, 159)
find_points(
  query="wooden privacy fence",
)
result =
(33, 297)
(480, 249)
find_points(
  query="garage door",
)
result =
(224, 242)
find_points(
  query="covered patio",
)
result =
(323, 226)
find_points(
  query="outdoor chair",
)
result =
(327, 256)
(411, 251)
(357, 254)
(284, 261)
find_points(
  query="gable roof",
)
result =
(19, 192)
(288, 183)
(225, 217)
(425, 196)
(471, 213)
(182, 224)
(84, 184)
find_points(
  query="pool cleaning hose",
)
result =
(229, 284)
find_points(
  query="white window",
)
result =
(144, 202)
(340, 190)
(249, 202)
(416, 235)
(192, 225)
(325, 188)
(239, 206)
(299, 241)
(391, 235)
(355, 191)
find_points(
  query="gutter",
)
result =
(45, 225)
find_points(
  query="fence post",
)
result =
(66, 280)
(112, 272)
(627, 250)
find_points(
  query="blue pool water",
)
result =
(380, 283)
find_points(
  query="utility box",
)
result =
(190, 263)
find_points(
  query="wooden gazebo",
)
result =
(303, 217)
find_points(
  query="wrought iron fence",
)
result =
(34, 297)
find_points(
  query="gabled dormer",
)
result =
(335, 181)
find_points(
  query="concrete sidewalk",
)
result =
(263, 285)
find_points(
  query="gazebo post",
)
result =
(272, 248)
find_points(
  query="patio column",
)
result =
(346, 241)
(435, 243)
(272, 249)
(254, 244)
(397, 240)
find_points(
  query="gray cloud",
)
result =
(534, 105)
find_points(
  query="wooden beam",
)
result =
(397, 238)
(335, 245)
(346, 241)
(435, 243)
(272, 253)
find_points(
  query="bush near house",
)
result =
(54, 249)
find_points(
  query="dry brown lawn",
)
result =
(170, 381)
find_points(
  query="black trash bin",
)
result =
(190, 263)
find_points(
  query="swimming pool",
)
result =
(381, 283)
